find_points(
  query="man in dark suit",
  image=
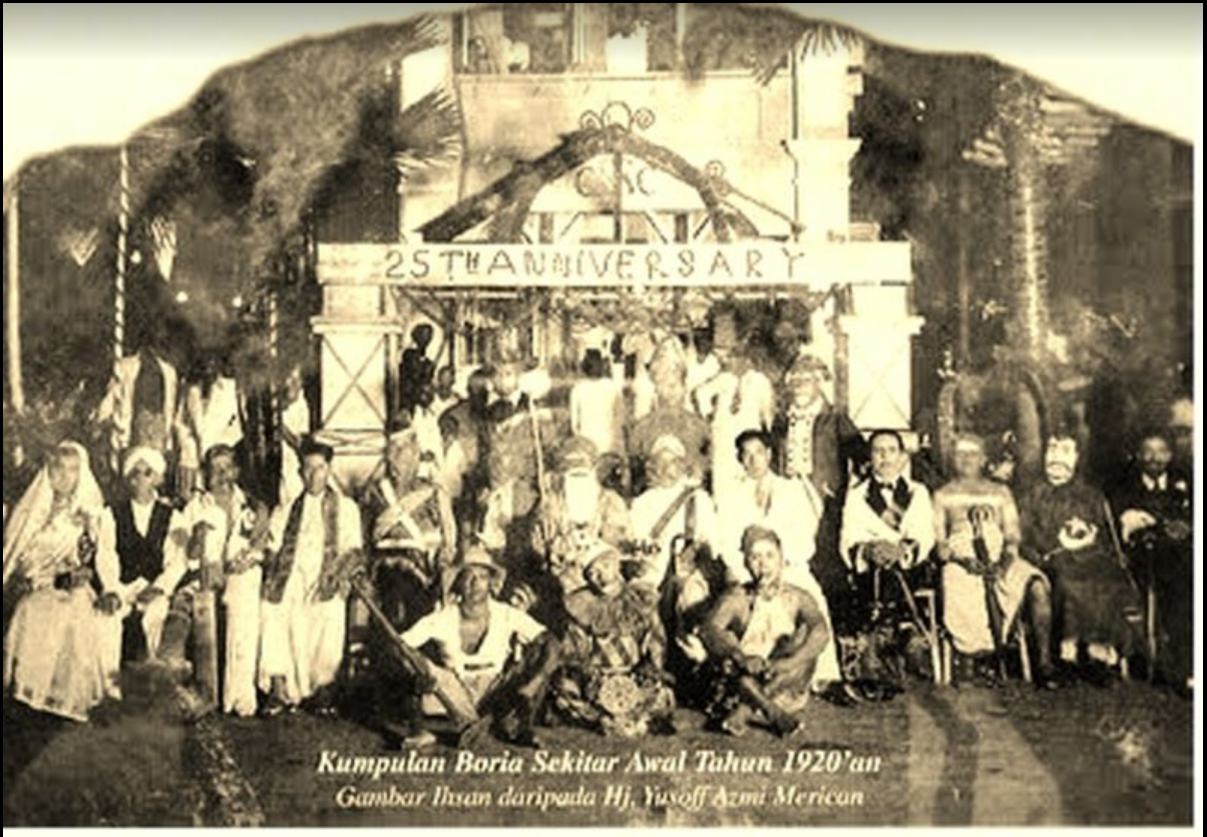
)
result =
(1156, 512)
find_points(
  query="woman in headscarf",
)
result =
(53, 659)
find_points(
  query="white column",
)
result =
(822, 183)
(819, 141)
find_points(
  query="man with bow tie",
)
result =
(888, 520)
(888, 533)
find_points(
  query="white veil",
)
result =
(31, 514)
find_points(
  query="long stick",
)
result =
(1151, 640)
(992, 606)
(460, 714)
(16, 377)
(539, 450)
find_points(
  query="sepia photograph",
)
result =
(599, 414)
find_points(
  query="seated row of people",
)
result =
(715, 584)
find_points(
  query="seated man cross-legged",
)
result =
(614, 653)
(490, 661)
(764, 640)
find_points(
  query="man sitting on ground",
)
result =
(613, 655)
(490, 660)
(764, 639)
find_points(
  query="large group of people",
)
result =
(734, 543)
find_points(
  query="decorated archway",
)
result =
(613, 135)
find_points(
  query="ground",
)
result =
(1084, 755)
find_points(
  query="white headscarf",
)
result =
(31, 514)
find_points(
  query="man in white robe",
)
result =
(674, 504)
(738, 399)
(305, 609)
(211, 413)
(140, 405)
(229, 533)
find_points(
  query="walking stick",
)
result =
(977, 516)
(912, 604)
(205, 615)
(1149, 592)
(539, 451)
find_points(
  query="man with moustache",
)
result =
(1156, 517)
(1068, 531)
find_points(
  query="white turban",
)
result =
(150, 457)
(670, 446)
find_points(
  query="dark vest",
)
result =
(141, 557)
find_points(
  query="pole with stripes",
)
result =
(123, 245)
(12, 289)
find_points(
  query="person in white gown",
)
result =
(740, 398)
(231, 532)
(53, 660)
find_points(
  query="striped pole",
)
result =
(273, 439)
(274, 326)
(123, 243)
(16, 381)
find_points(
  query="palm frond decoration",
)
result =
(762, 40)
(430, 133)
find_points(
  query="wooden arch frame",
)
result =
(508, 201)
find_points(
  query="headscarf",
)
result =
(33, 512)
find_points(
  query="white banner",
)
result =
(502, 266)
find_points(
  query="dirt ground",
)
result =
(1089, 756)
